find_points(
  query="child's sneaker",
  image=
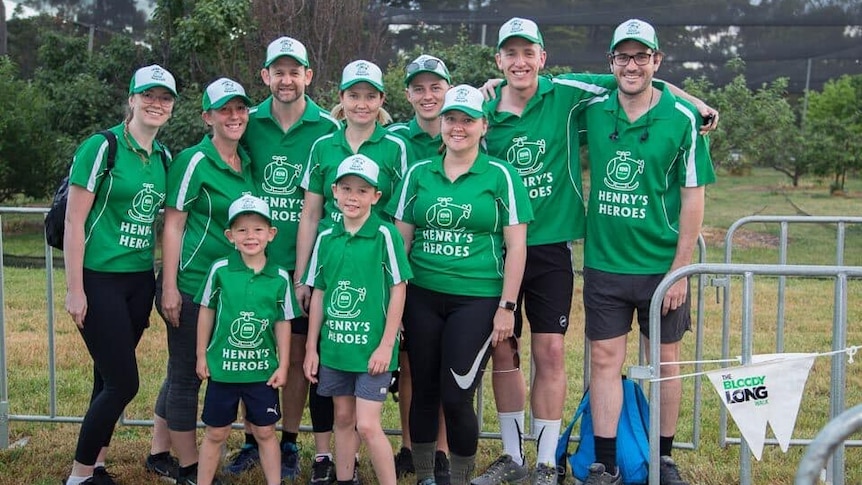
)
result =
(246, 459)
(289, 461)
(404, 463)
(442, 475)
(322, 471)
(164, 465)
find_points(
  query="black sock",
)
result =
(163, 454)
(345, 482)
(606, 453)
(250, 440)
(288, 437)
(665, 445)
(186, 471)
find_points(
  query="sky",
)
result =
(10, 9)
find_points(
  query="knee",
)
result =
(605, 358)
(550, 356)
(344, 418)
(263, 433)
(368, 429)
(217, 435)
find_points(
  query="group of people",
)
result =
(317, 252)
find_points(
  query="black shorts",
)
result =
(610, 301)
(546, 290)
(222, 400)
(299, 325)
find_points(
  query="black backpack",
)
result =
(55, 219)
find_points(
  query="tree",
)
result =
(834, 129)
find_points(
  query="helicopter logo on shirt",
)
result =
(622, 172)
(446, 215)
(246, 331)
(345, 300)
(146, 204)
(526, 156)
(280, 176)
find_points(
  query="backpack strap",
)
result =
(637, 409)
(112, 149)
(563, 444)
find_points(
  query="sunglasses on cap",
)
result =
(430, 64)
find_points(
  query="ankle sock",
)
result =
(665, 445)
(76, 480)
(606, 453)
(288, 437)
(512, 434)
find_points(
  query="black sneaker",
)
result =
(669, 473)
(322, 471)
(102, 476)
(188, 476)
(356, 480)
(164, 465)
(247, 458)
(404, 462)
(441, 468)
(289, 461)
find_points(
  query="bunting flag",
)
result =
(769, 390)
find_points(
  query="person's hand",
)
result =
(379, 361)
(488, 89)
(312, 362)
(303, 297)
(675, 296)
(172, 303)
(278, 378)
(710, 118)
(76, 306)
(504, 326)
(202, 369)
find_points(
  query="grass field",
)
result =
(49, 448)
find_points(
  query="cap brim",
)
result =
(230, 221)
(144, 87)
(223, 101)
(530, 38)
(467, 111)
(420, 71)
(298, 59)
(362, 176)
(353, 82)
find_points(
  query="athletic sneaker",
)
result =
(426, 481)
(101, 476)
(599, 476)
(404, 462)
(669, 473)
(322, 471)
(441, 468)
(289, 461)
(356, 480)
(503, 470)
(246, 459)
(164, 465)
(543, 474)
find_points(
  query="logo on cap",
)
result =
(516, 26)
(633, 28)
(357, 163)
(462, 95)
(286, 46)
(157, 74)
(248, 204)
(229, 87)
(362, 69)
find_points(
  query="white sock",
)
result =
(548, 432)
(99, 464)
(76, 480)
(511, 431)
(323, 455)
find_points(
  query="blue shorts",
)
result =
(334, 382)
(222, 400)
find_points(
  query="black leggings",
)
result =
(118, 311)
(447, 335)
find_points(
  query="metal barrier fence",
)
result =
(747, 271)
(830, 438)
(839, 331)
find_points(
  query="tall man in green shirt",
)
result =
(648, 172)
(279, 136)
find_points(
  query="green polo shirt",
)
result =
(634, 205)
(203, 186)
(118, 232)
(248, 306)
(356, 273)
(542, 144)
(422, 145)
(389, 151)
(458, 243)
(277, 160)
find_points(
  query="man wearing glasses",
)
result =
(648, 170)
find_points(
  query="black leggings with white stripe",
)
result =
(448, 341)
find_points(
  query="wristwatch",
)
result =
(508, 305)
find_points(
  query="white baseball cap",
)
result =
(248, 204)
(221, 91)
(634, 29)
(150, 77)
(426, 63)
(361, 71)
(518, 27)
(361, 166)
(286, 46)
(465, 99)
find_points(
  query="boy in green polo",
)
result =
(243, 339)
(358, 270)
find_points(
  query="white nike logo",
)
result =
(465, 381)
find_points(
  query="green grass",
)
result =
(50, 447)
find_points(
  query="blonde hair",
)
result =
(383, 116)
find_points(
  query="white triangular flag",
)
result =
(768, 390)
(785, 381)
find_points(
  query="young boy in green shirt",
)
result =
(358, 270)
(243, 339)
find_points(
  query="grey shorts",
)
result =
(610, 301)
(334, 382)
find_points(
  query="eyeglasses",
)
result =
(622, 60)
(149, 98)
(429, 64)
